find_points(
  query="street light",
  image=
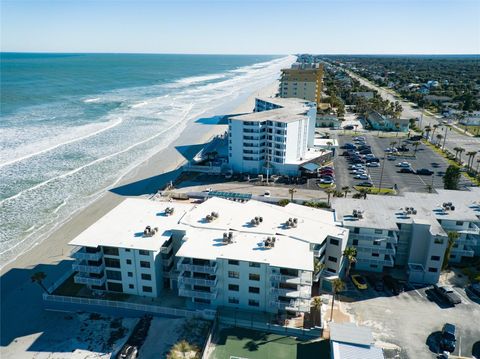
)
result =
(445, 138)
(381, 175)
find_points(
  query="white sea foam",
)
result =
(92, 100)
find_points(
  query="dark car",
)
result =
(348, 127)
(424, 172)
(365, 184)
(447, 294)
(416, 138)
(349, 146)
(406, 170)
(374, 159)
(376, 283)
(475, 289)
(392, 284)
(448, 341)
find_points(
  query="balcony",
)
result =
(377, 260)
(297, 305)
(86, 268)
(299, 279)
(466, 252)
(167, 247)
(381, 237)
(81, 254)
(197, 281)
(369, 248)
(197, 268)
(82, 278)
(197, 294)
(304, 293)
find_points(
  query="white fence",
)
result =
(152, 309)
(216, 170)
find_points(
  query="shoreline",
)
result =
(143, 180)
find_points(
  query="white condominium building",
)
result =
(410, 232)
(277, 137)
(248, 255)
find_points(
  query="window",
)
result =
(253, 276)
(130, 274)
(254, 265)
(253, 303)
(234, 287)
(131, 286)
(331, 270)
(435, 258)
(127, 250)
(114, 274)
(144, 264)
(355, 242)
(147, 289)
(334, 241)
(433, 270)
(459, 223)
(390, 233)
(232, 274)
(114, 287)
(255, 290)
(129, 261)
(332, 259)
(146, 276)
(356, 230)
(233, 300)
(373, 266)
(375, 254)
(233, 262)
(376, 243)
(143, 252)
(110, 251)
(378, 231)
(112, 263)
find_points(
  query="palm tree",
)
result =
(429, 188)
(317, 307)
(456, 149)
(434, 129)
(350, 253)
(346, 190)
(184, 350)
(427, 130)
(415, 145)
(292, 192)
(471, 156)
(39, 277)
(452, 238)
(317, 266)
(337, 287)
(355, 128)
(329, 192)
(439, 139)
(397, 128)
(478, 164)
(363, 192)
(460, 150)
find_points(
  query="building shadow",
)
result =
(214, 120)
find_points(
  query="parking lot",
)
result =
(412, 321)
(405, 182)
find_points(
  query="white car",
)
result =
(373, 164)
(362, 176)
(403, 164)
(391, 157)
(327, 180)
(266, 194)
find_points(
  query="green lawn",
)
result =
(252, 344)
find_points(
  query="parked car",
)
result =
(365, 184)
(361, 176)
(391, 157)
(348, 127)
(373, 164)
(447, 294)
(327, 180)
(416, 138)
(349, 146)
(351, 167)
(372, 159)
(406, 170)
(403, 164)
(424, 172)
(266, 194)
(359, 138)
(448, 341)
(435, 164)
(359, 281)
(392, 284)
(475, 289)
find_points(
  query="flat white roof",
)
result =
(349, 351)
(123, 226)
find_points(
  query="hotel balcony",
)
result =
(473, 229)
(304, 293)
(197, 294)
(292, 279)
(88, 268)
(387, 262)
(464, 252)
(82, 254)
(181, 266)
(182, 280)
(381, 237)
(294, 305)
(167, 247)
(82, 278)
(369, 248)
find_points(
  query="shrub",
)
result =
(283, 202)
(316, 204)
(357, 195)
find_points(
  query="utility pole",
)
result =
(445, 137)
(381, 174)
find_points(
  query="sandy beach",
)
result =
(24, 322)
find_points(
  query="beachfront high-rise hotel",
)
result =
(303, 80)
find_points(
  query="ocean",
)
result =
(73, 124)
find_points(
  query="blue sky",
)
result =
(242, 27)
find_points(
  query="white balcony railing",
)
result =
(197, 268)
(83, 279)
(88, 268)
(197, 294)
(167, 248)
(82, 255)
(197, 281)
(300, 279)
(292, 293)
(297, 305)
(381, 237)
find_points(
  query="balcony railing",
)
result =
(197, 294)
(378, 261)
(167, 248)
(197, 281)
(369, 248)
(292, 293)
(197, 268)
(83, 279)
(297, 305)
(463, 252)
(88, 268)
(82, 255)
(300, 279)
(389, 239)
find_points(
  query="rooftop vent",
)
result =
(211, 217)
(357, 214)
(149, 231)
(269, 242)
(291, 223)
(169, 211)
(227, 238)
(448, 206)
(256, 221)
(410, 210)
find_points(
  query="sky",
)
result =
(242, 27)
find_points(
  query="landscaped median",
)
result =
(376, 190)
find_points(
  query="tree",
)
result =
(452, 238)
(39, 277)
(317, 306)
(397, 128)
(292, 192)
(184, 350)
(460, 150)
(451, 177)
(337, 287)
(350, 253)
(356, 126)
(346, 190)
(329, 192)
(427, 130)
(471, 156)
(439, 139)
(317, 266)
(363, 192)
(434, 129)
(415, 145)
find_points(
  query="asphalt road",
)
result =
(405, 182)
(454, 139)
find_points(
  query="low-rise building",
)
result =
(327, 120)
(410, 232)
(380, 122)
(367, 95)
(349, 341)
(250, 255)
